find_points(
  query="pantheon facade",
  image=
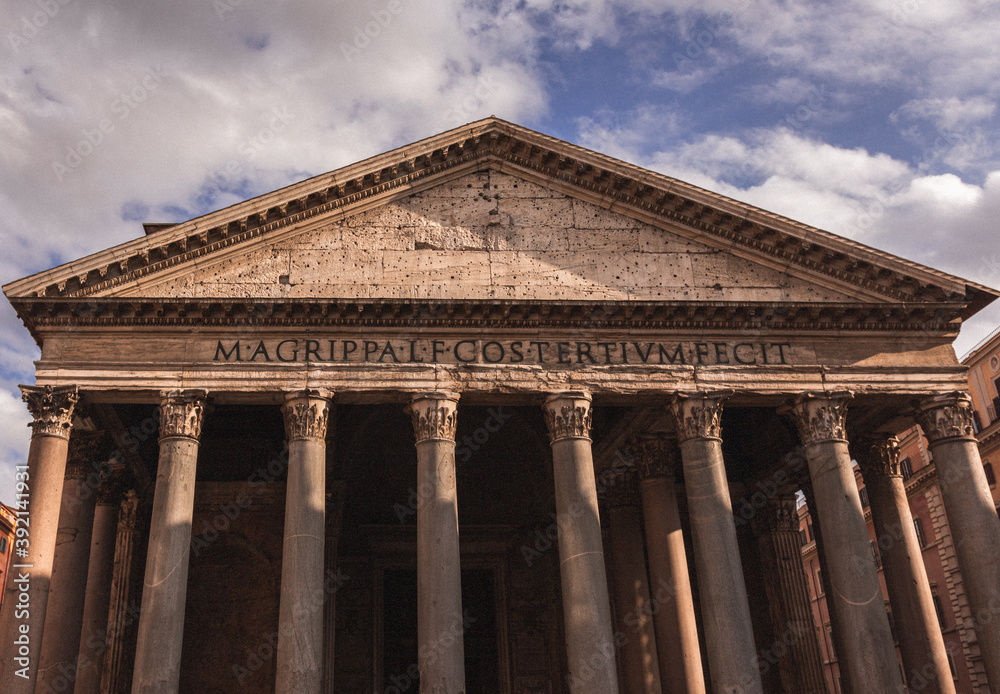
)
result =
(490, 412)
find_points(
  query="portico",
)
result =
(490, 413)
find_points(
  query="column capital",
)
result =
(434, 415)
(568, 415)
(779, 514)
(948, 416)
(654, 456)
(698, 415)
(306, 413)
(113, 485)
(85, 447)
(52, 409)
(877, 456)
(819, 417)
(623, 487)
(181, 413)
(127, 510)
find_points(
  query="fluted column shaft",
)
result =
(925, 658)
(57, 666)
(637, 647)
(725, 608)
(300, 612)
(867, 656)
(590, 645)
(161, 617)
(115, 666)
(674, 621)
(800, 664)
(440, 623)
(38, 496)
(97, 601)
(947, 423)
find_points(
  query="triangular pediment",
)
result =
(483, 235)
(496, 212)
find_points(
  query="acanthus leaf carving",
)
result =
(622, 488)
(181, 413)
(820, 417)
(947, 417)
(878, 456)
(51, 409)
(777, 515)
(434, 416)
(698, 415)
(306, 414)
(654, 456)
(568, 415)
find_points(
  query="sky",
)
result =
(875, 120)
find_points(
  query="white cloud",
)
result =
(14, 433)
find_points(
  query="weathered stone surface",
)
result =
(487, 235)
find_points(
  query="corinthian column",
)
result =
(867, 656)
(725, 609)
(300, 614)
(440, 625)
(97, 602)
(38, 498)
(590, 645)
(947, 423)
(920, 642)
(57, 666)
(800, 664)
(631, 585)
(676, 628)
(116, 664)
(164, 592)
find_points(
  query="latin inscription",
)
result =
(537, 352)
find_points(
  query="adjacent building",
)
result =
(471, 416)
(8, 520)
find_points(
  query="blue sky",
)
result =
(876, 120)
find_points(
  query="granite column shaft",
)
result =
(300, 611)
(164, 595)
(590, 645)
(725, 607)
(440, 622)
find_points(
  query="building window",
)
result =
(803, 538)
(829, 639)
(918, 528)
(907, 467)
(864, 497)
(878, 559)
(977, 423)
(809, 530)
(951, 664)
(819, 582)
(939, 609)
(990, 476)
(3, 545)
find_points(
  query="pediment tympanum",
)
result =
(484, 235)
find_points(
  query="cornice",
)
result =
(926, 319)
(492, 142)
